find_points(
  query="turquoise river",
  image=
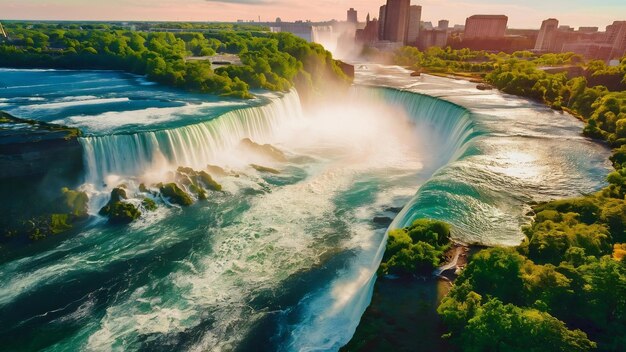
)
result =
(275, 262)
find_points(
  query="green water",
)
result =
(275, 262)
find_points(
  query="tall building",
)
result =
(397, 15)
(616, 37)
(413, 29)
(381, 22)
(369, 34)
(352, 16)
(546, 40)
(485, 27)
(443, 24)
(433, 37)
(586, 41)
(588, 29)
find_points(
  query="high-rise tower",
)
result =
(485, 27)
(616, 37)
(3, 34)
(413, 29)
(546, 40)
(381, 22)
(397, 15)
(352, 16)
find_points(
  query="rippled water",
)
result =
(276, 262)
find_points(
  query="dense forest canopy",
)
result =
(274, 61)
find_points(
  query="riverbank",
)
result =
(402, 317)
(378, 322)
(466, 76)
(496, 298)
(36, 155)
(403, 313)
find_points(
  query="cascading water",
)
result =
(450, 130)
(277, 261)
(193, 145)
(450, 126)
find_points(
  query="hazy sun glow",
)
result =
(573, 12)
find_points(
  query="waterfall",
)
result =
(191, 145)
(448, 127)
(279, 262)
(451, 127)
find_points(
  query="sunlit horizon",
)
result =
(521, 15)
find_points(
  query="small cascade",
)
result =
(450, 129)
(193, 145)
(450, 126)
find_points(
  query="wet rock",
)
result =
(209, 182)
(265, 149)
(265, 169)
(149, 204)
(484, 86)
(216, 170)
(199, 191)
(382, 221)
(118, 211)
(175, 194)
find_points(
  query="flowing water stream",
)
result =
(276, 261)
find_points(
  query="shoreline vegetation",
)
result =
(417, 271)
(563, 287)
(272, 61)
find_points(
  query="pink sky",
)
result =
(522, 14)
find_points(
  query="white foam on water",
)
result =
(28, 70)
(117, 119)
(282, 233)
(145, 82)
(78, 98)
(70, 103)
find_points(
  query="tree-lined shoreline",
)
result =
(272, 61)
(563, 287)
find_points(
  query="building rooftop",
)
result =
(488, 17)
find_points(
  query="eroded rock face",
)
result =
(36, 161)
(36, 217)
(34, 149)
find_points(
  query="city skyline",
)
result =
(575, 13)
